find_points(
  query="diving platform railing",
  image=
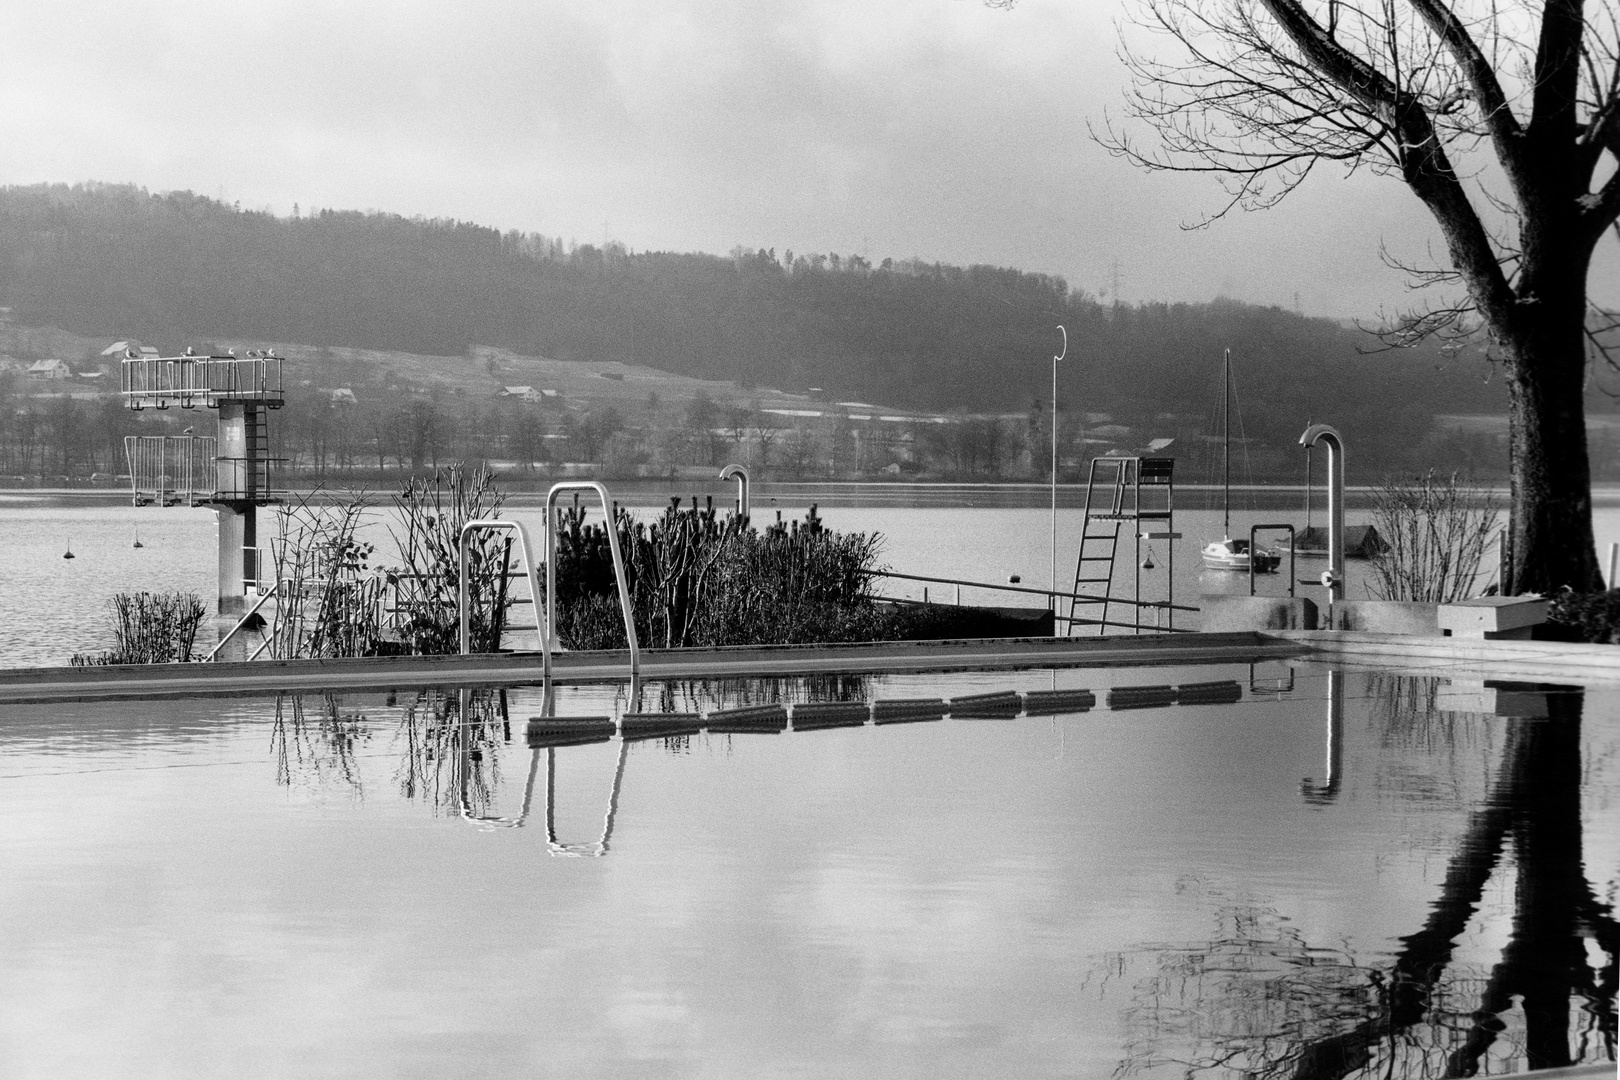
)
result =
(157, 382)
(168, 470)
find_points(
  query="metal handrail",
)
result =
(1254, 548)
(274, 589)
(740, 474)
(542, 628)
(618, 566)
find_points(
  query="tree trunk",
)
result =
(1551, 540)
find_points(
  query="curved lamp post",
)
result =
(740, 474)
(1334, 578)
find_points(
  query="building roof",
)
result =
(47, 365)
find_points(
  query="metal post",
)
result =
(1052, 580)
(1614, 564)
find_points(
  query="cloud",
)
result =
(937, 128)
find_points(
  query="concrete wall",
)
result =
(1387, 617)
(1227, 613)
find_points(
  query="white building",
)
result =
(49, 369)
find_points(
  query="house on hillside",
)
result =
(49, 369)
(343, 396)
(526, 393)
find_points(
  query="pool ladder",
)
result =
(546, 627)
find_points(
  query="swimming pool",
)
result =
(1296, 861)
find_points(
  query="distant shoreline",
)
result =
(651, 493)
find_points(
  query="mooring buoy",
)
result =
(69, 554)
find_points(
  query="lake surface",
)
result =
(55, 607)
(379, 885)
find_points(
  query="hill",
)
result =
(375, 290)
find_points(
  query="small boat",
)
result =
(1227, 553)
(69, 554)
(138, 539)
(1230, 554)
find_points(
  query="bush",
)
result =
(1590, 617)
(150, 628)
(1437, 530)
(432, 511)
(696, 579)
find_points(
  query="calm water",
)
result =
(299, 887)
(55, 607)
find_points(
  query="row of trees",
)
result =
(48, 437)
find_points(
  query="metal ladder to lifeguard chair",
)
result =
(1139, 490)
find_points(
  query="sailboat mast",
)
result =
(1226, 445)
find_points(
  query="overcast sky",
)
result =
(933, 128)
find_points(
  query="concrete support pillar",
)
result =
(235, 486)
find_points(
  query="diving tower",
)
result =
(230, 471)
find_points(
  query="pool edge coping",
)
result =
(28, 685)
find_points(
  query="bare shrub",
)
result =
(432, 512)
(151, 628)
(330, 601)
(1437, 529)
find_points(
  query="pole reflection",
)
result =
(1324, 793)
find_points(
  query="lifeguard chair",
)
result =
(230, 471)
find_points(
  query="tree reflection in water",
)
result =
(1259, 1001)
(319, 749)
(448, 742)
(449, 749)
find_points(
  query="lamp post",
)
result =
(1052, 588)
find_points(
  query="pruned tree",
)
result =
(1262, 93)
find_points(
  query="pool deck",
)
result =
(1528, 661)
(506, 669)
(1531, 661)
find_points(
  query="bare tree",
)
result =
(1262, 92)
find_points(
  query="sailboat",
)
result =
(1227, 553)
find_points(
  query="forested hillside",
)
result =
(175, 268)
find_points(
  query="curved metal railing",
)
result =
(618, 568)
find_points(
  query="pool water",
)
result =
(1351, 867)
